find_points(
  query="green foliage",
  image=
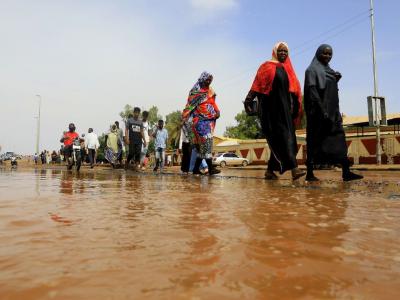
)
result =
(247, 127)
(173, 125)
(153, 116)
(128, 109)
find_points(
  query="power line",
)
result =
(351, 22)
(331, 36)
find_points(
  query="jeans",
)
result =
(193, 158)
(92, 153)
(143, 153)
(160, 157)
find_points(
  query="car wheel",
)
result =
(222, 164)
(245, 163)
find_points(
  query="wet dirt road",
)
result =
(110, 235)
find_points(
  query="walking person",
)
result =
(54, 157)
(83, 149)
(48, 157)
(185, 146)
(161, 137)
(279, 93)
(113, 146)
(203, 110)
(91, 145)
(326, 140)
(145, 115)
(121, 137)
(134, 138)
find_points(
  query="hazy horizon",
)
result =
(87, 59)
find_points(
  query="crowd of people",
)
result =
(47, 157)
(275, 97)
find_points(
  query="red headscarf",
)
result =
(266, 74)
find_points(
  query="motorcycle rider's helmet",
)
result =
(71, 127)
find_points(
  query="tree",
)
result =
(153, 116)
(173, 125)
(128, 109)
(248, 127)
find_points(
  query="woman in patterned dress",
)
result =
(204, 112)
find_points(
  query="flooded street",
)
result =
(115, 235)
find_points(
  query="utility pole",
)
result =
(377, 114)
(38, 126)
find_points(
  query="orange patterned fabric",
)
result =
(266, 73)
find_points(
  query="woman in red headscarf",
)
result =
(279, 93)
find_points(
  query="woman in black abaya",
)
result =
(326, 140)
(279, 92)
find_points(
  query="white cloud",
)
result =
(88, 62)
(214, 5)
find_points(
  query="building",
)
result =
(360, 139)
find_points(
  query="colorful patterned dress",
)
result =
(203, 111)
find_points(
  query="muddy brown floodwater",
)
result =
(110, 235)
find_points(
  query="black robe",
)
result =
(276, 116)
(326, 140)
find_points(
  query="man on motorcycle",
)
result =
(68, 139)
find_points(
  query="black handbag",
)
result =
(252, 107)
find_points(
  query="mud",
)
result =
(107, 234)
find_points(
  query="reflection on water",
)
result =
(112, 235)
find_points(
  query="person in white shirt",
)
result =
(91, 144)
(145, 115)
(161, 138)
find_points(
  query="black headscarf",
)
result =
(317, 72)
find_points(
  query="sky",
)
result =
(87, 59)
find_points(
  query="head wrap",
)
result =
(197, 95)
(317, 72)
(266, 73)
(274, 57)
(203, 77)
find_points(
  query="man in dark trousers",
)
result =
(134, 137)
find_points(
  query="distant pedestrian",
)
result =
(121, 136)
(83, 148)
(185, 146)
(54, 157)
(201, 107)
(326, 140)
(277, 88)
(48, 157)
(161, 140)
(145, 115)
(36, 158)
(91, 145)
(134, 138)
(113, 146)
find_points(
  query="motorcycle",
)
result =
(14, 162)
(76, 158)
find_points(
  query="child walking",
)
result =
(161, 137)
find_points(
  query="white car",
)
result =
(230, 159)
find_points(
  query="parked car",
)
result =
(7, 156)
(230, 159)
